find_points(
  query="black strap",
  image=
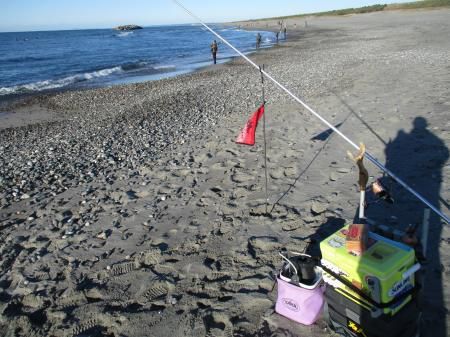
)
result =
(350, 285)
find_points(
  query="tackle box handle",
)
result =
(415, 268)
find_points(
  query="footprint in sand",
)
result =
(155, 291)
(96, 322)
(74, 299)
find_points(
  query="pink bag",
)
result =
(300, 302)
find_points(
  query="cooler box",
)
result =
(350, 319)
(383, 272)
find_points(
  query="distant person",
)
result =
(258, 40)
(285, 32)
(277, 35)
(214, 49)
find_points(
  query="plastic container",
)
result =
(302, 303)
(383, 272)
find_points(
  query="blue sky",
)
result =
(25, 15)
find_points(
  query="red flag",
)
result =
(247, 135)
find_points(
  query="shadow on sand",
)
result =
(417, 157)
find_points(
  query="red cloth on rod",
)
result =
(247, 135)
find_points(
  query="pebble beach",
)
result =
(130, 211)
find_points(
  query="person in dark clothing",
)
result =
(214, 49)
(277, 35)
(285, 33)
(258, 41)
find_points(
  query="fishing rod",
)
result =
(370, 157)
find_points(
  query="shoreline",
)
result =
(130, 210)
(113, 75)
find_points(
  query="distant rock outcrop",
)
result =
(128, 27)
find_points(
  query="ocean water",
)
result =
(39, 61)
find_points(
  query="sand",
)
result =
(130, 211)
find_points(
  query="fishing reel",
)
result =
(380, 191)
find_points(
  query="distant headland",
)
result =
(128, 27)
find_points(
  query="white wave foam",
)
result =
(59, 83)
(124, 34)
(165, 67)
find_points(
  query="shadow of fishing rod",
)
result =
(326, 135)
(353, 112)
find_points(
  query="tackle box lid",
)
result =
(381, 258)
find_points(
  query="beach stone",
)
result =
(131, 195)
(94, 294)
(102, 236)
(291, 226)
(333, 176)
(220, 318)
(266, 284)
(318, 208)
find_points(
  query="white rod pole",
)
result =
(362, 199)
(425, 227)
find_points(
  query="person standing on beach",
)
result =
(277, 35)
(214, 49)
(285, 32)
(258, 41)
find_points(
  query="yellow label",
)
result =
(355, 328)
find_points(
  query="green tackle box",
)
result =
(384, 272)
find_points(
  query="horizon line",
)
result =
(100, 28)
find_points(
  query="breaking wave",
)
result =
(167, 67)
(70, 80)
(123, 34)
(58, 83)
